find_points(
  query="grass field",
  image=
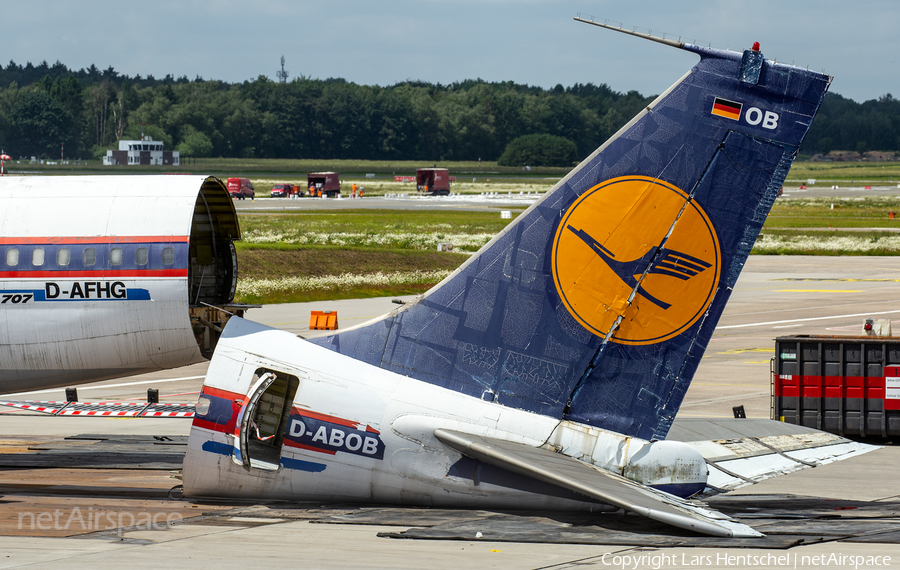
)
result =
(832, 226)
(351, 254)
(286, 170)
(285, 167)
(398, 229)
(366, 253)
(845, 172)
(867, 212)
(354, 253)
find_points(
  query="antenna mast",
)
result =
(282, 74)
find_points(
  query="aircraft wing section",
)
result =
(105, 409)
(735, 463)
(574, 475)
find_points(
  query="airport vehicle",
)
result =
(546, 371)
(285, 190)
(326, 184)
(241, 188)
(107, 276)
(433, 181)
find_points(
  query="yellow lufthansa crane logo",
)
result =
(640, 248)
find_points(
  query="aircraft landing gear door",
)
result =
(262, 421)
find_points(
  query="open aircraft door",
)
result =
(242, 434)
(261, 421)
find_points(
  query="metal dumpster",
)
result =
(848, 385)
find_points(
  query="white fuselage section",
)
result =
(356, 432)
(61, 329)
(107, 276)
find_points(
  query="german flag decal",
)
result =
(727, 109)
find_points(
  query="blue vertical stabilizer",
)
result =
(597, 303)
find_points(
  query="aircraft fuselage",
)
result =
(344, 430)
(102, 277)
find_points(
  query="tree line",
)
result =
(45, 106)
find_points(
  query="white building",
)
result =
(146, 151)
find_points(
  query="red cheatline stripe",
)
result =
(220, 393)
(212, 426)
(136, 273)
(298, 445)
(326, 418)
(74, 240)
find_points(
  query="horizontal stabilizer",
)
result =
(735, 463)
(568, 473)
(105, 409)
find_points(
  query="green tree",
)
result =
(539, 150)
(133, 132)
(40, 124)
(194, 143)
(8, 99)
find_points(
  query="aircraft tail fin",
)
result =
(596, 304)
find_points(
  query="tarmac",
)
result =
(399, 201)
(774, 296)
(492, 201)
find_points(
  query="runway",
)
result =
(774, 296)
(508, 199)
(399, 201)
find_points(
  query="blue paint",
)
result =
(300, 465)
(683, 490)
(498, 326)
(317, 433)
(137, 294)
(40, 295)
(286, 462)
(220, 410)
(102, 251)
(217, 448)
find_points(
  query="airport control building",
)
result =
(144, 151)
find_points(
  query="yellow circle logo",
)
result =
(638, 248)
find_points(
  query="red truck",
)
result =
(323, 183)
(285, 191)
(433, 181)
(241, 188)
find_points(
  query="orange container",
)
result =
(323, 320)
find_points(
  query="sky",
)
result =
(534, 42)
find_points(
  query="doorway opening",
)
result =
(264, 422)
